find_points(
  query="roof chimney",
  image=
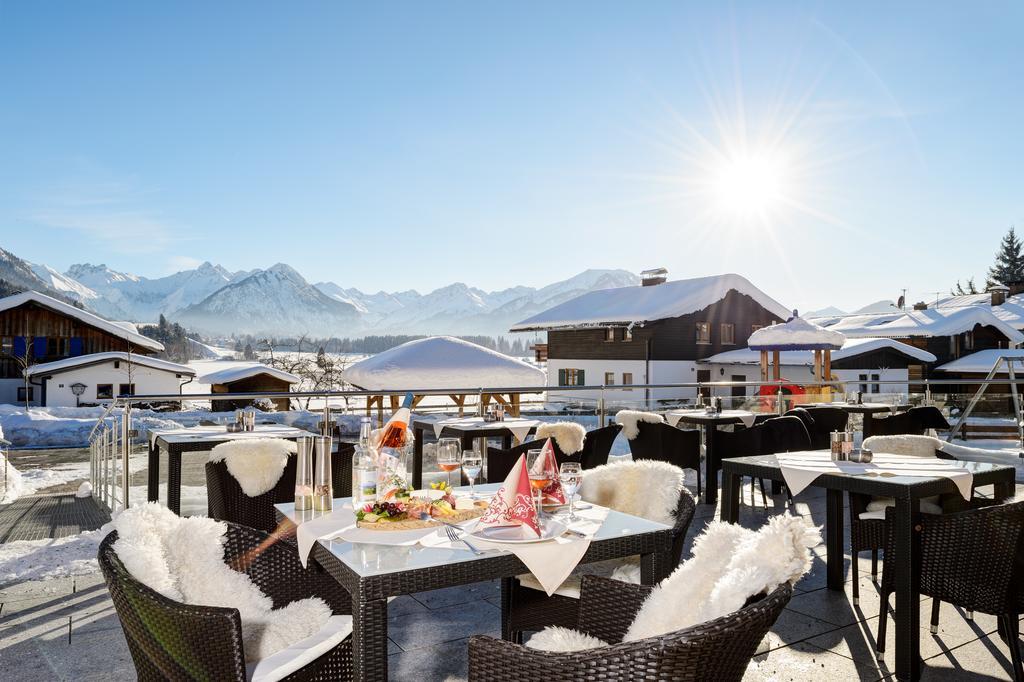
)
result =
(920, 305)
(654, 276)
(1016, 287)
(999, 293)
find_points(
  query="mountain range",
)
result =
(279, 301)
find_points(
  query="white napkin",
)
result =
(324, 526)
(747, 418)
(800, 469)
(520, 428)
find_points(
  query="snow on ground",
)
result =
(24, 560)
(12, 484)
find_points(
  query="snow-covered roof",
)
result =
(928, 323)
(796, 334)
(441, 362)
(83, 316)
(982, 362)
(246, 370)
(58, 366)
(637, 304)
(851, 348)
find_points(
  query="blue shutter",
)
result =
(561, 376)
(19, 346)
(76, 345)
(580, 380)
(39, 346)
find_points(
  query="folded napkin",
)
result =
(513, 504)
(552, 494)
(800, 469)
(324, 526)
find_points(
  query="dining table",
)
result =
(467, 430)
(373, 573)
(866, 410)
(884, 479)
(708, 422)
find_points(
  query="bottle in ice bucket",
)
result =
(364, 469)
(391, 472)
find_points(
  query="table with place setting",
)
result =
(709, 421)
(467, 429)
(903, 478)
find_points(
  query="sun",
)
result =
(749, 185)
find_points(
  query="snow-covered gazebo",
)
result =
(797, 334)
(443, 362)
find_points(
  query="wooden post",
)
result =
(459, 400)
(776, 369)
(827, 371)
(515, 405)
(764, 365)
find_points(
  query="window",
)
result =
(755, 327)
(703, 332)
(627, 380)
(738, 391)
(874, 387)
(627, 334)
(6, 345)
(865, 387)
(126, 389)
(31, 394)
(609, 334)
(969, 340)
(609, 378)
(571, 377)
(728, 332)
(57, 346)
(104, 391)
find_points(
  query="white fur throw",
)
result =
(257, 463)
(183, 559)
(568, 435)
(628, 419)
(646, 488)
(906, 444)
(563, 639)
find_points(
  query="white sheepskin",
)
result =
(257, 464)
(183, 559)
(568, 435)
(646, 488)
(729, 565)
(628, 420)
(906, 444)
(563, 639)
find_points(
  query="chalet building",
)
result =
(249, 377)
(97, 378)
(652, 333)
(36, 329)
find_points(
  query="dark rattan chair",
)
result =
(717, 650)
(597, 445)
(227, 502)
(821, 422)
(914, 421)
(968, 559)
(740, 442)
(665, 443)
(169, 640)
(500, 462)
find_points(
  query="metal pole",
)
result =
(601, 412)
(327, 418)
(126, 451)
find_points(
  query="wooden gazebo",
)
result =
(797, 334)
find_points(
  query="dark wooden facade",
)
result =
(877, 359)
(258, 384)
(949, 348)
(673, 338)
(47, 335)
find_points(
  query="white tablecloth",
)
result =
(747, 418)
(520, 428)
(801, 468)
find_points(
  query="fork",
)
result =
(449, 530)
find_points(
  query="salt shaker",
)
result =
(323, 494)
(304, 473)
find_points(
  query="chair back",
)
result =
(928, 417)
(823, 421)
(739, 442)
(597, 445)
(226, 501)
(500, 462)
(784, 434)
(902, 423)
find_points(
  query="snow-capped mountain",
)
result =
(830, 311)
(273, 301)
(17, 275)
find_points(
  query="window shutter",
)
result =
(580, 381)
(561, 377)
(39, 346)
(76, 345)
(19, 346)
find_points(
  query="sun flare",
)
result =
(749, 185)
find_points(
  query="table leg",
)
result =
(1003, 490)
(174, 479)
(868, 427)
(834, 539)
(655, 566)
(153, 473)
(369, 639)
(710, 466)
(417, 458)
(908, 589)
(731, 496)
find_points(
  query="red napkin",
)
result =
(513, 505)
(553, 493)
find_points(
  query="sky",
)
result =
(832, 153)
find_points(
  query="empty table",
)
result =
(709, 421)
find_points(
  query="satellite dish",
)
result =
(900, 302)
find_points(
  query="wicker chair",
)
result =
(597, 445)
(666, 443)
(820, 423)
(169, 640)
(740, 442)
(971, 560)
(227, 502)
(524, 608)
(500, 462)
(717, 650)
(915, 421)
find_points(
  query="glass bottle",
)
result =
(391, 469)
(364, 469)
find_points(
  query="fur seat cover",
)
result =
(628, 419)
(568, 435)
(905, 444)
(730, 564)
(256, 463)
(183, 559)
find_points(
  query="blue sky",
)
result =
(413, 144)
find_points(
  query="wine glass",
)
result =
(570, 474)
(539, 477)
(448, 451)
(472, 464)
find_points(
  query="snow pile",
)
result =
(12, 484)
(796, 334)
(441, 362)
(23, 560)
(625, 305)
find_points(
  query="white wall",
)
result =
(805, 374)
(146, 380)
(594, 374)
(9, 390)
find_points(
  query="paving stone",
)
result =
(837, 607)
(33, 589)
(429, 627)
(987, 658)
(446, 662)
(792, 627)
(460, 594)
(804, 661)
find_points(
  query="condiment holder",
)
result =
(304, 473)
(841, 445)
(323, 493)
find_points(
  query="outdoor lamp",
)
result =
(78, 389)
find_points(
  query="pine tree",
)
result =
(1009, 265)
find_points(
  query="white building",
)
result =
(100, 377)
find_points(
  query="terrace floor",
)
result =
(66, 628)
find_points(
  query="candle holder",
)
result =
(304, 474)
(323, 493)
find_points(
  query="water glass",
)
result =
(570, 475)
(472, 464)
(448, 453)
